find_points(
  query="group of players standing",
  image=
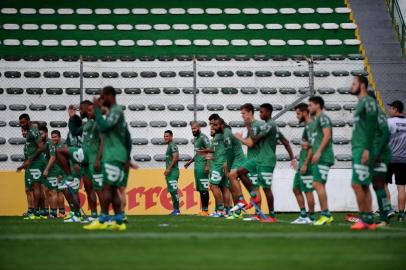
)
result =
(98, 152)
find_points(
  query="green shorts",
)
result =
(113, 173)
(320, 172)
(85, 171)
(172, 181)
(237, 164)
(303, 182)
(264, 176)
(33, 174)
(51, 182)
(125, 179)
(380, 170)
(217, 177)
(96, 177)
(250, 165)
(77, 155)
(361, 174)
(201, 179)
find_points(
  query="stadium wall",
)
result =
(146, 193)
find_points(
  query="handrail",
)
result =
(398, 22)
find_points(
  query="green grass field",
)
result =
(190, 242)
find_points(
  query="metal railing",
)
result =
(398, 22)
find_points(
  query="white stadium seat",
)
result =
(213, 11)
(126, 43)
(102, 11)
(140, 11)
(87, 27)
(88, 43)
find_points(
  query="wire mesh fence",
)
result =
(158, 95)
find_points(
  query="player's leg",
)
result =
(265, 176)
(61, 199)
(388, 180)
(30, 195)
(215, 178)
(249, 177)
(91, 193)
(36, 187)
(379, 177)
(320, 175)
(400, 181)
(44, 201)
(202, 185)
(172, 187)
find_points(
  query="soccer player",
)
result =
(321, 134)
(201, 172)
(382, 154)
(364, 129)
(89, 137)
(33, 163)
(114, 158)
(53, 173)
(248, 170)
(303, 181)
(172, 171)
(28, 191)
(45, 194)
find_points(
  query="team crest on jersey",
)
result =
(35, 173)
(362, 171)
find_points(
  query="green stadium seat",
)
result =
(32, 74)
(244, 73)
(282, 73)
(225, 73)
(263, 73)
(70, 74)
(229, 90)
(148, 74)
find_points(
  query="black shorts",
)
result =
(399, 170)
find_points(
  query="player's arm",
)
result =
(307, 160)
(51, 160)
(74, 130)
(288, 148)
(40, 148)
(245, 141)
(385, 136)
(107, 124)
(175, 158)
(187, 164)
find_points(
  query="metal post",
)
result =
(311, 75)
(81, 79)
(194, 90)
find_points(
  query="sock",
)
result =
(220, 207)
(104, 217)
(240, 198)
(204, 197)
(363, 217)
(71, 206)
(62, 210)
(53, 212)
(383, 204)
(401, 213)
(312, 216)
(77, 213)
(272, 213)
(93, 214)
(303, 212)
(45, 211)
(369, 218)
(253, 194)
(30, 211)
(37, 212)
(326, 213)
(119, 218)
(175, 200)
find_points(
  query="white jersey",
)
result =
(397, 127)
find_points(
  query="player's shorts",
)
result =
(217, 177)
(51, 182)
(78, 155)
(250, 165)
(238, 163)
(399, 170)
(320, 172)
(264, 176)
(85, 171)
(201, 179)
(172, 181)
(361, 174)
(33, 174)
(113, 173)
(96, 177)
(303, 182)
(125, 179)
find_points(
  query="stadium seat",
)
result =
(158, 124)
(236, 124)
(93, 91)
(186, 73)
(157, 141)
(156, 107)
(14, 91)
(268, 90)
(176, 107)
(171, 90)
(3, 107)
(142, 158)
(344, 90)
(132, 91)
(70, 74)
(338, 123)
(17, 157)
(139, 141)
(54, 91)
(167, 74)
(263, 73)
(210, 90)
(72, 91)
(14, 123)
(229, 90)
(349, 107)
(341, 141)
(184, 157)
(225, 73)
(2, 140)
(129, 74)
(3, 157)
(180, 141)
(282, 157)
(138, 124)
(3, 123)
(148, 74)
(190, 90)
(332, 107)
(109, 75)
(136, 107)
(233, 107)
(198, 107)
(32, 74)
(58, 124)
(326, 90)
(17, 107)
(12, 74)
(51, 74)
(152, 91)
(215, 107)
(57, 107)
(178, 123)
(244, 73)
(38, 107)
(201, 123)
(160, 158)
(343, 157)
(16, 141)
(287, 91)
(35, 91)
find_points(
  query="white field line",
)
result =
(205, 235)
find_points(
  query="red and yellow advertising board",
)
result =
(146, 193)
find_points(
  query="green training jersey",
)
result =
(170, 150)
(233, 147)
(382, 137)
(113, 130)
(55, 168)
(91, 140)
(200, 142)
(47, 149)
(252, 152)
(33, 136)
(365, 123)
(267, 144)
(316, 136)
(217, 144)
(304, 144)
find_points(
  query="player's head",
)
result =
(195, 128)
(43, 130)
(83, 108)
(359, 84)
(90, 111)
(168, 136)
(213, 117)
(56, 136)
(302, 110)
(247, 112)
(265, 111)
(218, 125)
(108, 96)
(316, 104)
(24, 120)
(396, 108)
(77, 120)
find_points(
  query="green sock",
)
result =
(53, 212)
(30, 211)
(369, 218)
(272, 214)
(312, 216)
(220, 207)
(45, 211)
(401, 213)
(37, 212)
(93, 214)
(62, 211)
(175, 200)
(227, 209)
(383, 204)
(303, 212)
(77, 213)
(326, 213)
(71, 206)
(363, 217)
